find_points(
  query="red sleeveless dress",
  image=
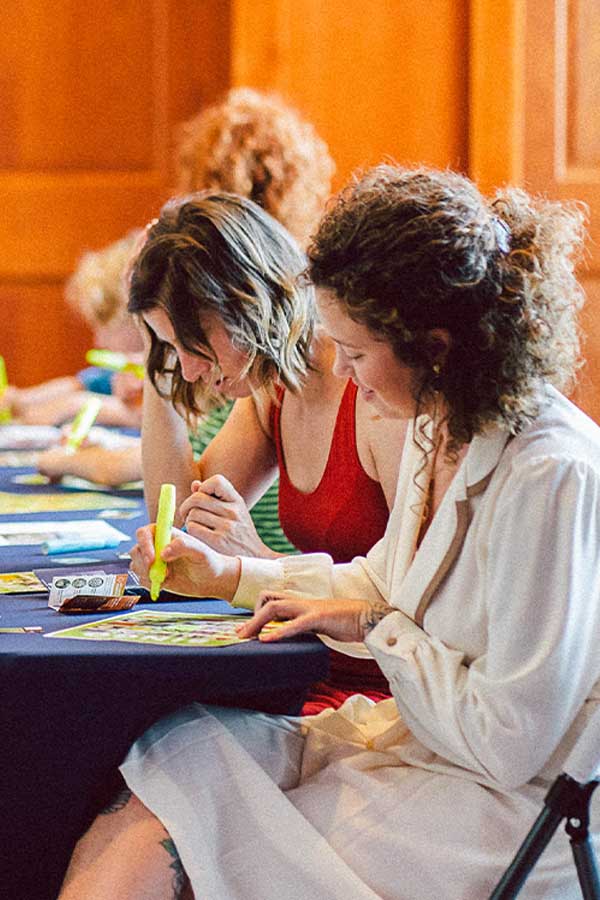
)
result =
(344, 516)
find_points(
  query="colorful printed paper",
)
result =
(74, 483)
(100, 583)
(21, 583)
(173, 629)
(20, 504)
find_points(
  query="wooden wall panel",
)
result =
(535, 121)
(91, 95)
(47, 335)
(81, 88)
(586, 393)
(580, 59)
(377, 79)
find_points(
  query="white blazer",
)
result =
(493, 652)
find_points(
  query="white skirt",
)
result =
(345, 805)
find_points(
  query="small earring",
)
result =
(436, 368)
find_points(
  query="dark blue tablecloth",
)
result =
(70, 709)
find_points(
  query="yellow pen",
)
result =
(82, 423)
(5, 415)
(162, 537)
(118, 362)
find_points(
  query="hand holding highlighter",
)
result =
(83, 421)
(117, 362)
(162, 537)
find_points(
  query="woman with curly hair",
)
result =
(255, 145)
(481, 603)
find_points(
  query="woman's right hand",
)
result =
(217, 515)
(55, 463)
(193, 569)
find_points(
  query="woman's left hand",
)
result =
(340, 619)
(217, 515)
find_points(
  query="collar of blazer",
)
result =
(445, 536)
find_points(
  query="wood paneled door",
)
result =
(535, 121)
(89, 96)
(378, 79)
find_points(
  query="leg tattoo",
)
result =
(179, 876)
(119, 802)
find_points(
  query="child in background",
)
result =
(97, 291)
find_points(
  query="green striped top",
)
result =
(265, 512)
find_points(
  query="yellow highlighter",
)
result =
(162, 537)
(5, 415)
(117, 362)
(81, 424)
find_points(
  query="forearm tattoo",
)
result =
(179, 876)
(118, 803)
(374, 613)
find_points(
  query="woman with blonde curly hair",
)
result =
(481, 603)
(255, 145)
(97, 292)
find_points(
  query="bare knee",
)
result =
(125, 846)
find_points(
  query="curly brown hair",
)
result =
(255, 145)
(411, 250)
(223, 254)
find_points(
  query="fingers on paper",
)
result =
(298, 615)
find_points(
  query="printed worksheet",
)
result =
(28, 437)
(19, 504)
(21, 583)
(167, 629)
(73, 483)
(16, 533)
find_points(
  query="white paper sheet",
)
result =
(13, 533)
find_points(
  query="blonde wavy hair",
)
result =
(223, 255)
(98, 288)
(412, 250)
(254, 145)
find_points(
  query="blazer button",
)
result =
(392, 641)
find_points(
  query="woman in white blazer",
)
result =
(481, 604)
